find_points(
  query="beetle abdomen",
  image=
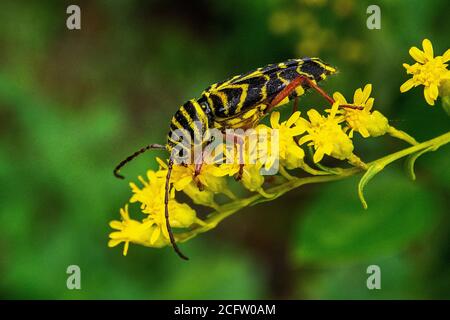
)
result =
(243, 92)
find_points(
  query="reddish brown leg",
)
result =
(198, 169)
(303, 80)
(239, 175)
(348, 106)
(295, 106)
(240, 142)
(313, 85)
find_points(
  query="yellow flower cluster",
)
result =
(151, 231)
(328, 134)
(429, 71)
(364, 121)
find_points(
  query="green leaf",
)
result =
(335, 228)
(349, 281)
(231, 275)
(411, 160)
(370, 173)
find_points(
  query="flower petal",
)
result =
(182, 183)
(303, 123)
(305, 139)
(406, 66)
(417, 54)
(364, 132)
(328, 148)
(275, 119)
(369, 104)
(318, 155)
(334, 109)
(366, 92)
(434, 92)
(357, 97)
(350, 134)
(114, 242)
(446, 56)
(116, 225)
(295, 131)
(426, 94)
(293, 118)
(124, 213)
(161, 163)
(116, 235)
(428, 49)
(156, 233)
(407, 85)
(337, 96)
(314, 116)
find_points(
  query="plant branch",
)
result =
(374, 167)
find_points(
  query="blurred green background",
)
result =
(74, 103)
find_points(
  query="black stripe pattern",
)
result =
(235, 97)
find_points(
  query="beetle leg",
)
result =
(198, 169)
(240, 142)
(299, 81)
(240, 173)
(166, 212)
(295, 105)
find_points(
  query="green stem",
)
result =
(393, 132)
(228, 209)
(435, 143)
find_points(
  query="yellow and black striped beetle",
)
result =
(240, 102)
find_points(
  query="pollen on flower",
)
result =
(326, 135)
(429, 71)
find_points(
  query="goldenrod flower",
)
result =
(152, 231)
(251, 177)
(367, 122)
(290, 154)
(203, 197)
(364, 121)
(152, 194)
(326, 135)
(428, 71)
(210, 177)
(144, 233)
(151, 197)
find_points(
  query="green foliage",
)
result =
(337, 229)
(74, 103)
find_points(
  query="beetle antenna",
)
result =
(153, 146)
(166, 212)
